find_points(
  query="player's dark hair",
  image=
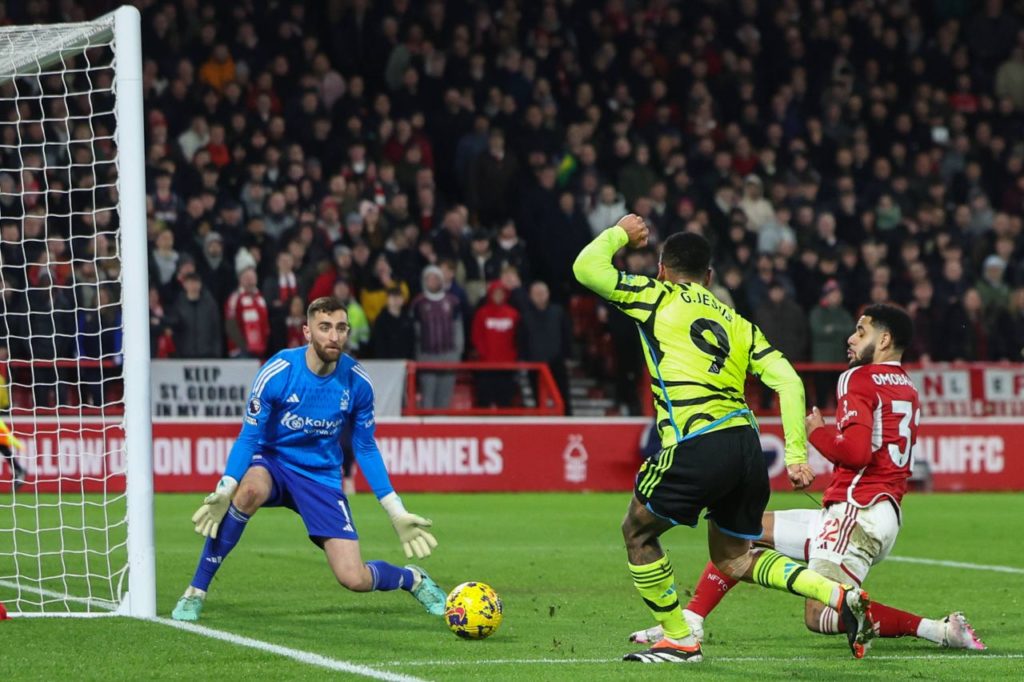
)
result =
(687, 253)
(324, 304)
(894, 320)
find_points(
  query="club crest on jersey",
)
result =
(254, 407)
(344, 400)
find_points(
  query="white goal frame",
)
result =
(123, 27)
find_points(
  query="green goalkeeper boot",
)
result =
(188, 609)
(427, 592)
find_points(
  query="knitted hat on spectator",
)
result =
(213, 237)
(432, 295)
(994, 261)
(353, 217)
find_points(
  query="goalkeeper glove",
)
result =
(416, 541)
(208, 517)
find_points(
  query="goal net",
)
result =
(76, 474)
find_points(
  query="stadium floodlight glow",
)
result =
(77, 540)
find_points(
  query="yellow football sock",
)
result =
(774, 570)
(656, 584)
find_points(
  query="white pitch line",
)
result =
(715, 659)
(299, 655)
(956, 564)
(294, 654)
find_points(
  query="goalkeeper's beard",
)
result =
(326, 354)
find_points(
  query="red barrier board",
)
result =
(471, 455)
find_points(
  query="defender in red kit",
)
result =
(871, 445)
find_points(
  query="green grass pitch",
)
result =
(557, 561)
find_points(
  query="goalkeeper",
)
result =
(699, 352)
(288, 455)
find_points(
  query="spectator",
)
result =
(341, 268)
(783, 323)
(278, 291)
(218, 276)
(492, 181)
(607, 211)
(246, 320)
(510, 249)
(164, 258)
(495, 339)
(545, 335)
(927, 320)
(394, 332)
(831, 325)
(967, 334)
(161, 333)
(439, 337)
(358, 325)
(373, 297)
(636, 178)
(219, 69)
(481, 264)
(296, 320)
(1016, 326)
(1010, 78)
(196, 321)
(758, 209)
(195, 138)
(995, 295)
(99, 340)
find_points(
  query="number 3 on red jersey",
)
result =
(901, 455)
(883, 398)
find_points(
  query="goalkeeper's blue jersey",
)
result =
(298, 417)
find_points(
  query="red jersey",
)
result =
(873, 439)
(249, 310)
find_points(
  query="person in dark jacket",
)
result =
(784, 324)
(197, 322)
(546, 336)
(394, 332)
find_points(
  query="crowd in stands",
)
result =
(438, 165)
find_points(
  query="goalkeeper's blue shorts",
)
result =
(323, 509)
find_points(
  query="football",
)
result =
(473, 611)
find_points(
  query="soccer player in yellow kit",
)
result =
(699, 351)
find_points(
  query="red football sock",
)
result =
(3, 611)
(893, 622)
(710, 590)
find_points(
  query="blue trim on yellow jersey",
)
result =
(661, 382)
(720, 420)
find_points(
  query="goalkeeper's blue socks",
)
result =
(216, 549)
(387, 577)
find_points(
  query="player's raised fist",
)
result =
(636, 229)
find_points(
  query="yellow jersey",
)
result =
(698, 350)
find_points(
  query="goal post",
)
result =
(76, 529)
